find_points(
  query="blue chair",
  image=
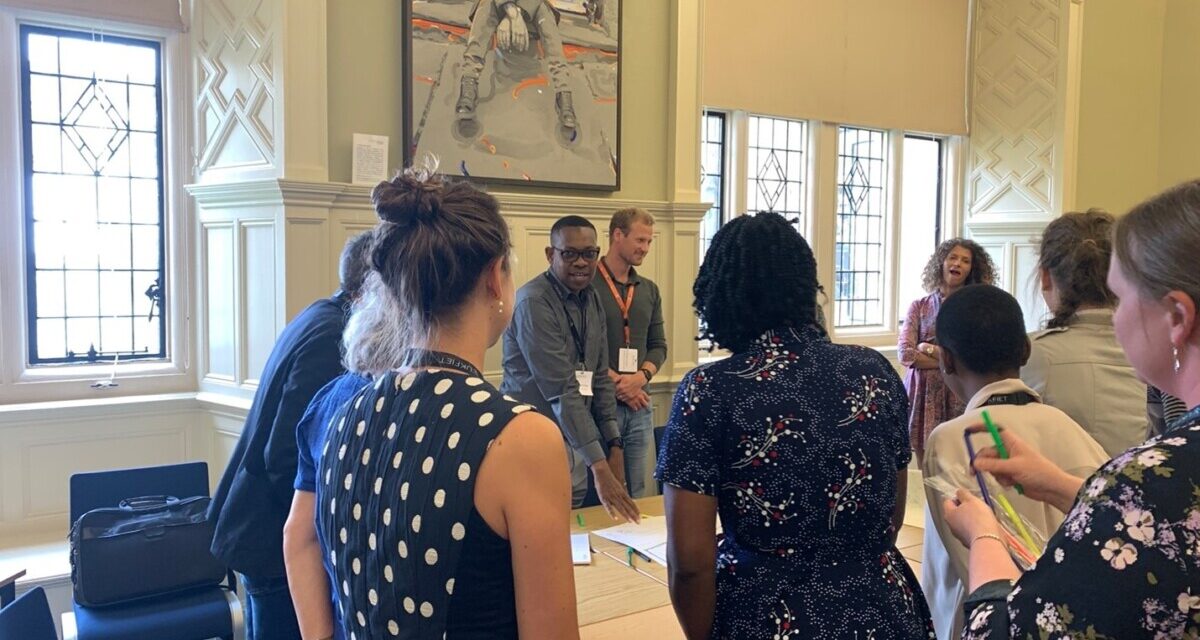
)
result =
(28, 618)
(209, 612)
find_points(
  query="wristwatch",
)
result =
(646, 372)
(617, 442)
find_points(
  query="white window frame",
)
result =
(821, 214)
(20, 382)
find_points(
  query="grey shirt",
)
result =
(541, 358)
(646, 332)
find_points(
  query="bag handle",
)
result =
(148, 503)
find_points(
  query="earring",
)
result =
(501, 312)
(1175, 355)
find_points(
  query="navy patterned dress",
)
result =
(800, 440)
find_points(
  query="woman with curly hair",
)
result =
(956, 263)
(800, 445)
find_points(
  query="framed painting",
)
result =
(515, 91)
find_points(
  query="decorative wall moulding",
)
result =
(340, 195)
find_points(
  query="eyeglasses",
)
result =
(571, 255)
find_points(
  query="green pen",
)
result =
(579, 519)
(991, 427)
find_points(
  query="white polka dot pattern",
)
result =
(447, 421)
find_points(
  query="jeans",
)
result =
(637, 430)
(270, 614)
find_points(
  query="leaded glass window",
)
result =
(776, 167)
(860, 241)
(93, 166)
(712, 176)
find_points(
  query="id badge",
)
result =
(584, 378)
(628, 361)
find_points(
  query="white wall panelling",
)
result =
(261, 89)
(1024, 102)
(236, 76)
(42, 445)
(1018, 115)
(218, 331)
(257, 287)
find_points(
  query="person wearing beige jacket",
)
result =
(1076, 364)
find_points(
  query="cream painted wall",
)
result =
(1179, 127)
(1121, 87)
(897, 64)
(365, 89)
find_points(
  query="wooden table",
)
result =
(8, 588)
(619, 597)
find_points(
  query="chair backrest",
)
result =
(28, 618)
(97, 489)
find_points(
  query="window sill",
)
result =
(22, 414)
(56, 383)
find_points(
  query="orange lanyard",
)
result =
(623, 305)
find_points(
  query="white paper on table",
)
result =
(581, 549)
(648, 537)
(370, 159)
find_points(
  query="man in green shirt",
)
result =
(637, 342)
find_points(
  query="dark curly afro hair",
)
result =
(759, 274)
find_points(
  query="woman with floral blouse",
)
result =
(800, 445)
(1126, 561)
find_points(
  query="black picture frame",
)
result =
(411, 129)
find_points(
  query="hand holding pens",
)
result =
(1000, 448)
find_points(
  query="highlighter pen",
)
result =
(1017, 524)
(991, 427)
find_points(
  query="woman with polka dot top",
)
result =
(442, 506)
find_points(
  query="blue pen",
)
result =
(971, 462)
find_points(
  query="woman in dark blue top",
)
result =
(301, 547)
(800, 445)
(442, 506)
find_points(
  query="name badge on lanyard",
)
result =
(582, 375)
(627, 357)
(584, 378)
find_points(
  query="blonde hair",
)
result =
(625, 218)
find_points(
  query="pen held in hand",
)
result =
(991, 427)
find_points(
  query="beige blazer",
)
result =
(1083, 371)
(1052, 432)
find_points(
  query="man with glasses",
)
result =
(556, 359)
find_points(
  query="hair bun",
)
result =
(407, 199)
